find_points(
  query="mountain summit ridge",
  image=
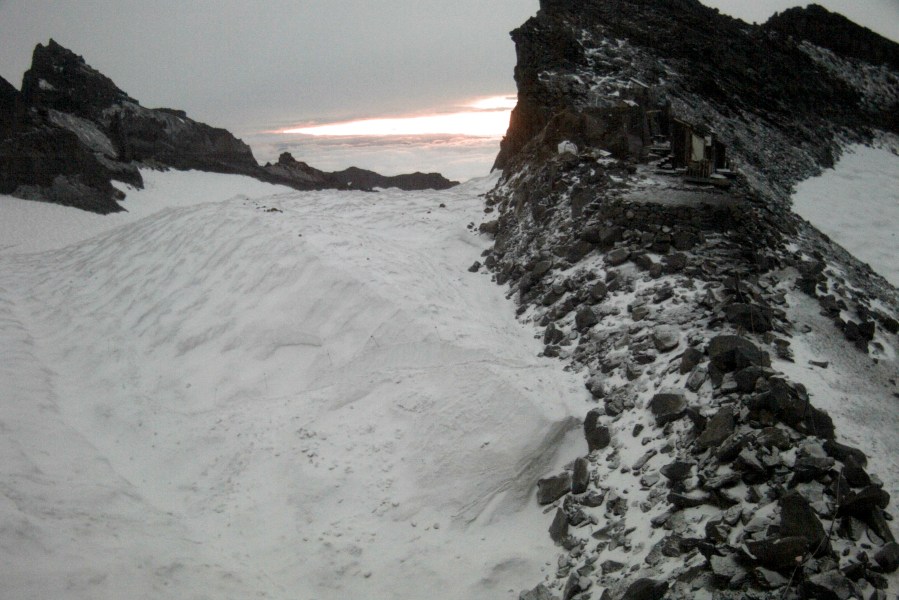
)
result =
(71, 131)
(642, 221)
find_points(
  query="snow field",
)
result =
(220, 400)
(857, 204)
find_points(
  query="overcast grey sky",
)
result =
(250, 64)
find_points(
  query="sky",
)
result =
(253, 66)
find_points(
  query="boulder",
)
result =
(599, 291)
(887, 558)
(668, 406)
(558, 529)
(689, 359)
(596, 387)
(578, 250)
(774, 437)
(538, 593)
(798, 519)
(751, 317)
(789, 403)
(731, 447)
(603, 236)
(780, 553)
(617, 257)
(553, 335)
(552, 488)
(665, 339)
(542, 268)
(585, 318)
(598, 436)
(719, 428)
(831, 585)
(751, 468)
(580, 477)
(677, 470)
(861, 503)
(646, 589)
(729, 353)
(747, 378)
(810, 468)
(845, 453)
(725, 568)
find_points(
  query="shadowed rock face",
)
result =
(9, 100)
(71, 132)
(61, 80)
(295, 173)
(835, 32)
(736, 67)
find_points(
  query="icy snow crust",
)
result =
(271, 394)
(857, 204)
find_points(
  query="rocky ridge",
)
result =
(711, 473)
(71, 131)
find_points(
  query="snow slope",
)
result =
(271, 394)
(857, 204)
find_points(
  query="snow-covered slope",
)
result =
(273, 395)
(857, 204)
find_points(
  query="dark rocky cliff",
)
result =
(835, 32)
(642, 221)
(71, 132)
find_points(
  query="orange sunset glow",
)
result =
(483, 117)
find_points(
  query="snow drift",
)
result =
(299, 395)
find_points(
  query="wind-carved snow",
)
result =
(225, 401)
(857, 204)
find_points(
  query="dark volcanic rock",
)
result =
(558, 529)
(668, 406)
(831, 585)
(690, 358)
(888, 557)
(864, 501)
(580, 477)
(598, 436)
(782, 553)
(61, 80)
(538, 593)
(731, 353)
(552, 488)
(798, 519)
(719, 428)
(677, 471)
(752, 318)
(585, 318)
(356, 178)
(646, 589)
(835, 32)
(790, 404)
(845, 453)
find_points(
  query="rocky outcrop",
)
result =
(356, 178)
(71, 132)
(835, 32)
(709, 468)
(294, 173)
(61, 80)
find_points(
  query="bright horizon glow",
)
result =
(488, 118)
(494, 103)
